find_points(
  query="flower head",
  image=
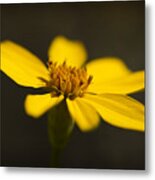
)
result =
(98, 88)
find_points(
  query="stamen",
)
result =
(70, 81)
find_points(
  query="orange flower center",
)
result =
(69, 81)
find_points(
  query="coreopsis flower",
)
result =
(91, 90)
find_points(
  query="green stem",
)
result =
(55, 159)
(60, 126)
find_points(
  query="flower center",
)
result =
(69, 81)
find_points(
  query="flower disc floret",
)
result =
(70, 81)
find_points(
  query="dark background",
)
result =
(107, 29)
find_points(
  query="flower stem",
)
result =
(60, 126)
(55, 159)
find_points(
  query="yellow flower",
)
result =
(97, 88)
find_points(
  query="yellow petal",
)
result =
(118, 110)
(107, 69)
(125, 85)
(63, 49)
(22, 66)
(84, 115)
(36, 105)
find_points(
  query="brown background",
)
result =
(107, 29)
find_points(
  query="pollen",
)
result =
(70, 81)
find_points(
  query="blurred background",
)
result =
(107, 29)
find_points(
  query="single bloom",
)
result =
(91, 90)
